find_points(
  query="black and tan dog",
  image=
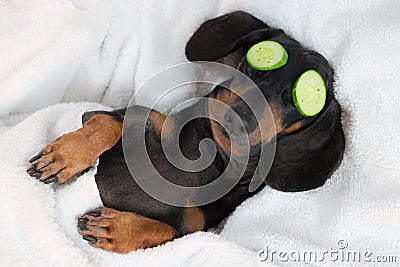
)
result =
(309, 149)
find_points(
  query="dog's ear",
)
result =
(221, 36)
(306, 159)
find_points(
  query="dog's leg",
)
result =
(123, 232)
(73, 153)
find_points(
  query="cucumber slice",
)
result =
(267, 55)
(309, 93)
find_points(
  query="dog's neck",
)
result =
(199, 129)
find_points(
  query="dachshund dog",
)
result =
(308, 148)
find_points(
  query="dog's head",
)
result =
(309, 148)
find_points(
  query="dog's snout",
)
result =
(234, 124)
(228, 118)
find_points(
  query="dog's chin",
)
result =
(234, 147)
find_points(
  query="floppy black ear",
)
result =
(221, 36)
(306, 159)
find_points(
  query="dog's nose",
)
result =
(234, 125)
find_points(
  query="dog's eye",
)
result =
(309, 93)
(267, 55)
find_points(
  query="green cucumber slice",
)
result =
(267, 55)
(309, 93)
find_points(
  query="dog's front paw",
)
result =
(68, 156)
(122, 232)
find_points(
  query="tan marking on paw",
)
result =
(127, 231)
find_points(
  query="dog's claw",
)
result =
(82, 226)
(52, 179)
(91, 239)
(38, 156)
(83, 219)
(32, 168)
(32, 172)
(95, 213)
(35, 174)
